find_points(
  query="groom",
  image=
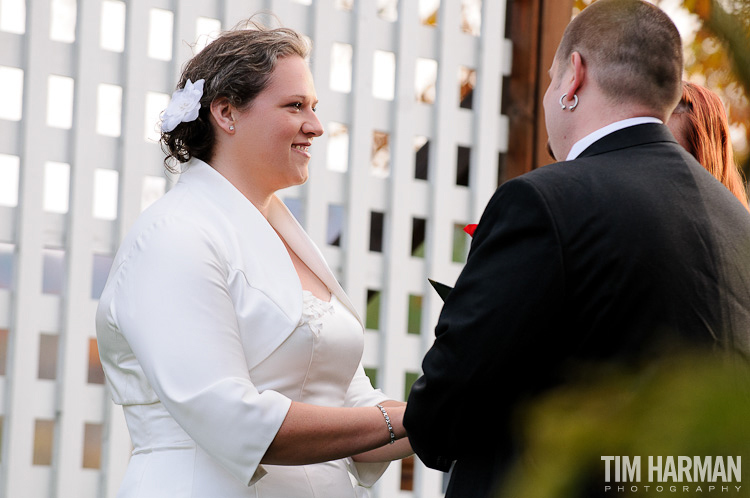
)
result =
(625, 249)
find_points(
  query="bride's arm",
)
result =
(389, 452)
(312, 434)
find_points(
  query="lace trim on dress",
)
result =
(313, 311)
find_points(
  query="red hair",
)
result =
(707, 136)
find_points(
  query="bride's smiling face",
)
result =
(277, 129)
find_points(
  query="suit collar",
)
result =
(245, 217)
(592, 137)
(632, 136)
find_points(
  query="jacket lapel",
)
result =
(245, 217)
(286, 224)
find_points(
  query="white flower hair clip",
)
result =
(184, 106)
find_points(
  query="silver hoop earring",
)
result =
(575, 102)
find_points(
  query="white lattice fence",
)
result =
(81, 85)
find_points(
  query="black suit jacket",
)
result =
(625, 251)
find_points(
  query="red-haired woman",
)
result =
(699, 123)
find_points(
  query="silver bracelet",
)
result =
(388, 423)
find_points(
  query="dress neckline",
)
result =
(306, 295)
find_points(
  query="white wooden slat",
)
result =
(392, 360)
(185, 15)
(356, 233)
(486, 102)
(10, 137)
(76, 326)
(18, 428)
(185, 35)
(115, 451)
(397, 237)
(5, 307)
(331, 107)
(295, 14)
(442, 160)
(131, 168)
(7, 223)
(11, 49)
(136, 152)
(234, 11)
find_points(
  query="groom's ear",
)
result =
(578, 74)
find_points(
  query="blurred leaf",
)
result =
(691, 405)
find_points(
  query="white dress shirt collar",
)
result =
(589, 139)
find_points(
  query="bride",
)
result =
(223, 333)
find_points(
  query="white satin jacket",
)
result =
(232, 296)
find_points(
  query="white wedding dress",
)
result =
(319, 363)
(206, 337)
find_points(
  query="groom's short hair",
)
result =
(631, 48)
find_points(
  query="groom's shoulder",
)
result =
(554, 175)
(561, 184)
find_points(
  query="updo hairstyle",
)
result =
(236, 65)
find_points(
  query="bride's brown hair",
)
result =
(237, 66)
